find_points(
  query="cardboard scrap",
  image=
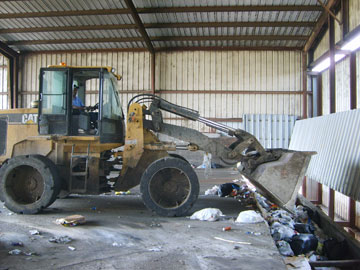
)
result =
(71, 221)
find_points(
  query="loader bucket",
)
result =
(280, 180)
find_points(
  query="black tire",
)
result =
(28, 184)
(55, 173)
(169, 187)
(178, 156)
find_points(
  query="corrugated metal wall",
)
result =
(272, 130)
(201, 80)
(133, 66)
(337, 143)
(354, 21)
(231, 80)
(342, 98)
(3, 82)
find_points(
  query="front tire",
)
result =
(169, 187)
(28, 183)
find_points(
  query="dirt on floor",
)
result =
(120, 233)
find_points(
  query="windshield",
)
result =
(111, 102)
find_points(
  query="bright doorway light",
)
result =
(324, 64)
(352, 45)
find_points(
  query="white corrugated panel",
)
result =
(271, 130)
(3, 82)
(336, 139)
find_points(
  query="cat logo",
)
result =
(30, 118)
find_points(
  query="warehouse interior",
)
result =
(287, 72)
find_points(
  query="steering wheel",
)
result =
(93, 108)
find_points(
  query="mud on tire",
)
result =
(169, 187)
(28, 183)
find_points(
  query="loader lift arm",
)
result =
(277, 173)
(247, 149)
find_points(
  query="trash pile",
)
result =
(241, 192)
(299, 233)
(294, 234)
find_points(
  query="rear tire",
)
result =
(169, 187)
(28, 183)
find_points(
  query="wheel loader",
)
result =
(59, 148)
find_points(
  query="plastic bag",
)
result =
(228, 189)
(249, 216)
(284, 248)
(304, 228)
(207, 214)
(213, 191)
(281, 232)
(303, 243)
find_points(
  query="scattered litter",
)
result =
(226, 229)
(249, 216)
(15, 252)
(154, 224)
(34, 232)
(303, 243)
(29, 253)
(60, 240)
(116, 244)
(254, 233)
(213, 191)
(71, 248)
(10, 213)
(122, 192)
(231, 241)
(155, 249)
(189, 226)
(17, 244)
(207, 214)
(93, 208)
(71, 221)
(284, 248)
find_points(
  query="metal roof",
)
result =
(54, 25)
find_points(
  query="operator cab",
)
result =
(80, 101)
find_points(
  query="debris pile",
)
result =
(299, 233)
(241, 192)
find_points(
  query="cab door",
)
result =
(54, 101)
(112, 118)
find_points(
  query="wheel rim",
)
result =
(169, 187)
(25, 184)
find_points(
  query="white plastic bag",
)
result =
(207, 214)
(249, 216)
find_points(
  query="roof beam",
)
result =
(7, 51)
(140, 25)
(229, 24)
(235, 37)
(228, 48)
(155, 25)
(230, 9)
(162, 10)
(322, 20)
(159, 38)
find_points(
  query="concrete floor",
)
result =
(120, 233)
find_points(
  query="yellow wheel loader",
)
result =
(60, 146)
